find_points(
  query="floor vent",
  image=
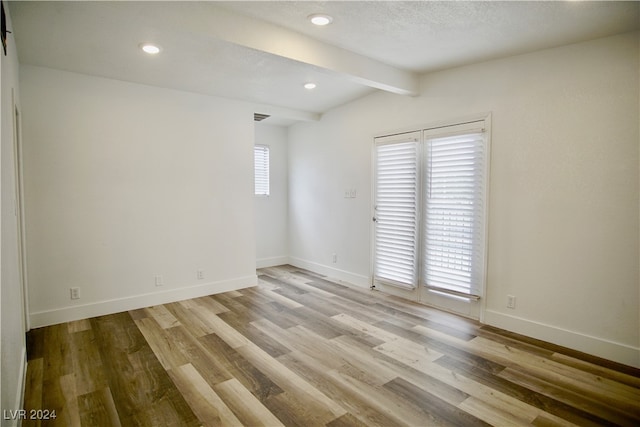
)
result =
(258, 117)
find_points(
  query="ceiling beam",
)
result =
(211, 20)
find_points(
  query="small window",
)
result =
(261, 169)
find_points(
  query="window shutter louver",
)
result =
(261, 170)
(453, 259)
(396, 226)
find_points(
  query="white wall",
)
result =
(271, 212)
(563, 220)
(325, 159)
(124, 182)
(12, 343)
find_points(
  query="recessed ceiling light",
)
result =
(320, 19)
(309, 86)
(149, 48)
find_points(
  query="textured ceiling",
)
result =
(424, 36)
(263, 52)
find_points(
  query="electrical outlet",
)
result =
(74, 293)
(200, 274)
(159, 280)
(511, 301)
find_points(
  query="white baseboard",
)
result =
(272, 261)
(606, 349)
(67, 314)
(358, 280)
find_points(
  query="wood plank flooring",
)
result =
(301, 350)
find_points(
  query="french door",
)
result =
(430, 192)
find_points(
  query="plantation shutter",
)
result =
(261, 170)
(454, 231)
(396, 210)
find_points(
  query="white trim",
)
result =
(23, 375)
(272, 261)
(357, 280)
(434, 124)
(618, 352)
(19, 401)
(372, 214)
(20, 209)
(488, 123)
(67, 314)
(412, 136)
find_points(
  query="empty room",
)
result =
(304, 213)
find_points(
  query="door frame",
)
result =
(421, 294)
(19, 208)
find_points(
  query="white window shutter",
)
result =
(455, 181)
(261, 170)
(396, 216)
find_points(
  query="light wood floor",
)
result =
(301, 350)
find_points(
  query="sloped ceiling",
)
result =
(263, 52)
